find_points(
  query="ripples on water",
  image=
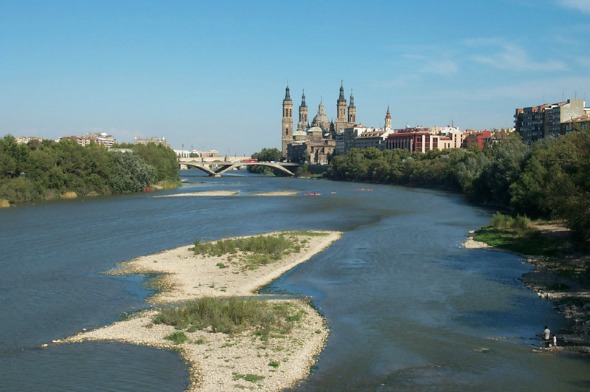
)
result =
(408, 308)
(94, 366)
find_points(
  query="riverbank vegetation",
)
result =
(232, 315)
(549, 179)
(49, 170)
(519, 234)
(252, 251)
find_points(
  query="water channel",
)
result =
(408, 308)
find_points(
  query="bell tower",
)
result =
(351, 112)
(341, 110)
(387, 119)
(287, 132)
(303, 115)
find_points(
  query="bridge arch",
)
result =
(224, 167)
(210, 172)
(236, 165)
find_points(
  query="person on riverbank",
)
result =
(547, 336)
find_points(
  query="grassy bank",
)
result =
(520, 235)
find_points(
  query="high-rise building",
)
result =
(536, 122)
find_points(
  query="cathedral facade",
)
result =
(314, 142)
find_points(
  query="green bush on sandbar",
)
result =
(177, 337)
(232, 315)
(258, 250)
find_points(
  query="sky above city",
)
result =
(212, 74)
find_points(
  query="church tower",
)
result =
(341, 110)
(387, 119)
(351, 112)
(287, 122)
(303, 115)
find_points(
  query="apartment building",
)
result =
(474, 138)
(100, 138)
(418, 142)
(374, 137)
(537, 122)
(155, 140)
(582, 123)
(346, 139)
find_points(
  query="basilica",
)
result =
(315, 142)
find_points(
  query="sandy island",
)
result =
(203, 193)
(229, 193)
(217, 361)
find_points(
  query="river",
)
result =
(408, 308)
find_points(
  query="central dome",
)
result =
(321, 119)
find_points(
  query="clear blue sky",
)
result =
(212, 74)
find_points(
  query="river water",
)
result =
(408, 308)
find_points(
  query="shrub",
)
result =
(521, 224)
(499, 221)
(232, 315)
(248, 377)
(177, 337)
(258, 250)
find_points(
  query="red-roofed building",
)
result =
(476, 138)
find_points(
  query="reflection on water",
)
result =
(408, 308)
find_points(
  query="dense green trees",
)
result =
(550, 179)
(265, 155)
(162, 158)
(268, 154)
(46, 170)
(133, 173)
(555, 180)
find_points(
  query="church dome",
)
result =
(320, 119)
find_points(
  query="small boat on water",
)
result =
(312, 194)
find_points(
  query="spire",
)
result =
(303, 104)
(388, 119)
(287, 95)
(351, 100)
(341, 97)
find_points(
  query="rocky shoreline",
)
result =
(564, 290)
(218, 361)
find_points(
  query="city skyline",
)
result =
(213, 75)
